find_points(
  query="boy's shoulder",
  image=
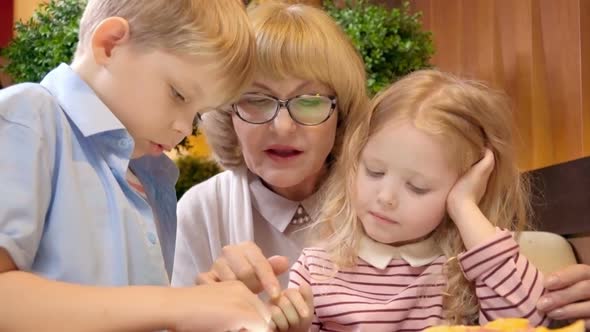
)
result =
(27, 104)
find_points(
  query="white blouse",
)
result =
(229, 208)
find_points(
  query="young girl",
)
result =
(415, 231)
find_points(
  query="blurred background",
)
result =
(538, 51)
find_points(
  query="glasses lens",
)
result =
(310, 110)
(256, 108)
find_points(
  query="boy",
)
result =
(87, 197)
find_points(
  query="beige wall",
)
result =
(23, 9)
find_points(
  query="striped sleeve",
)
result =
(507, 285)
(299, 275)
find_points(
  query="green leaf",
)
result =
(47, 39)
(391, 42)
(193, 170)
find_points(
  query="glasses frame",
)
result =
(284, 103)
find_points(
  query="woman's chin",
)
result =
(282, 181)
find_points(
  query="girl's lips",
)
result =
(382, 218)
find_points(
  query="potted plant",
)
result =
(47, 39)
(392, 42)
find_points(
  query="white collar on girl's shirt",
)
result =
(416, 254)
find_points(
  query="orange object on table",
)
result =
(507, 324)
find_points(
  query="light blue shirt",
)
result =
(66, 210)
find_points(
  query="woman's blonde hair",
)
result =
(297, 41)
(469, 117)
(216, 31)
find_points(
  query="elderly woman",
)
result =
(277, 143)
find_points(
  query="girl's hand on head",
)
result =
(471, 187)
(293, 310)
(463, 203)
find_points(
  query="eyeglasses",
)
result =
(307, 110)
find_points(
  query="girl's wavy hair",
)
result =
(469, 117)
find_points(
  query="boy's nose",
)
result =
(184, 126)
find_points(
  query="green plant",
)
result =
(48, 38)
(391, 41)
(192, 171)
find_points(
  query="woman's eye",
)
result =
(259, 102)
(177, 95)
(309, 102)
(417, 190)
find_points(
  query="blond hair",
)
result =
(469, 117)
(297, 41)
(217, 31)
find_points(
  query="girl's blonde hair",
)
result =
(469, 117)
(216, 31)
(297, 41)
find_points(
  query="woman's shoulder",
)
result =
(209, 189)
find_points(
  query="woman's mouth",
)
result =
(283, 153)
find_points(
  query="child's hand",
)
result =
(471, 187)
(293, 311)
(222, 306)
(463, 203)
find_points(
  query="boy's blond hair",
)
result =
(217, 31)
(297, 41)
(469, 117)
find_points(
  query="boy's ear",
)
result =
(110, 33)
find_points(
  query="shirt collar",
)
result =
(274, 208)
(416, 254)
(80, 102)
(93, 118)
(90, 116)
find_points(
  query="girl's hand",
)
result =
(293, 311)
(471, 187)
(463, 203)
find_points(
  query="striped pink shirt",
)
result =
(405, 298)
